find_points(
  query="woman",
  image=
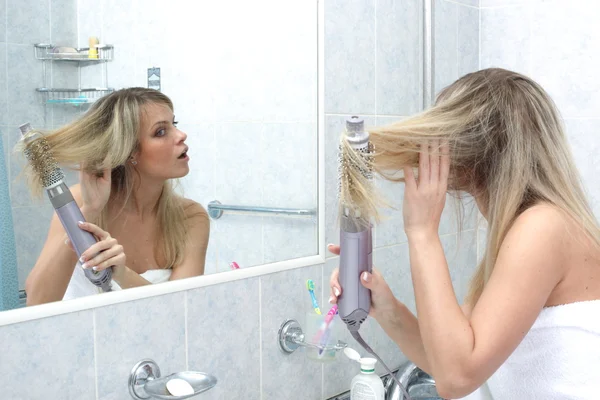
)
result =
(130, 149)
(529, 326)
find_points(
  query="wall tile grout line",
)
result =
(94, 338)
(186, 330)
(479, 44)
(461, 4)
(260, 348)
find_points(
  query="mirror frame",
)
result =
(85, 303)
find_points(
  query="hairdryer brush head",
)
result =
(40, 157)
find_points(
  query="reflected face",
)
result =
(162, 153)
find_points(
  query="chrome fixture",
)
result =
(145, 382)
(290, 337)
(418, 384)
(215, 210)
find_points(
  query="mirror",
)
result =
(244, 86)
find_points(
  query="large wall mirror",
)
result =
(244, 82)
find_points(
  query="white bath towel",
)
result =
(558, 359)
(80, 286)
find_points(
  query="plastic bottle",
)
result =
(367, 385)
(93, 50)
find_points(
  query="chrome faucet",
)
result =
(419, 384)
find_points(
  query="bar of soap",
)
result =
(179, 387)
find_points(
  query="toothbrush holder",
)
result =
(291, 337)
(324, 349)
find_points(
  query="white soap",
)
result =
(179, 387)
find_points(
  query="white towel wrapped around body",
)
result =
(80, 286)
(558, 359)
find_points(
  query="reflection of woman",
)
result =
(529, 326)
(130, 147)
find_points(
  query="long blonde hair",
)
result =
(507, 147)
(105, 137)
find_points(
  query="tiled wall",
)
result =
(23, 23)
(230, 329)
(456, 35)
(456, 53)
(558, 45)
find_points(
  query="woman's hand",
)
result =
(383, 303)
(95, 191)
(425, 197)
(103, 254)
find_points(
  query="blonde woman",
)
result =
(130, 149)
(530, 326)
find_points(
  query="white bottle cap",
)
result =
(367, 365)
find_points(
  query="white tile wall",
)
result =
(557, 45)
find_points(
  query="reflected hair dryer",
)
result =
(38, 153)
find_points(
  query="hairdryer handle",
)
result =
(356, 257)
(69, 216)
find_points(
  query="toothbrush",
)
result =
(323, 333)
(323, 343)
(310, 285)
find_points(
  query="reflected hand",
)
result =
(95, 190)
(103, 254)
(383, 302)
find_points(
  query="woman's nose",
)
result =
(182, 135)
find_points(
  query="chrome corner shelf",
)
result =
(73, 96)
(45, 51)
(80, 95)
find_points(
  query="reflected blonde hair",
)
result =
(507, 147)
(106, 137)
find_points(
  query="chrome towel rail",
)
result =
(215, 210)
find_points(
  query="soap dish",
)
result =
(199, 381)
(145, 382)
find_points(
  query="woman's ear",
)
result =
(133, 158)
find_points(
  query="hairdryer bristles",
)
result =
(43, 163)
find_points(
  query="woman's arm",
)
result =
(127, 278)
(196, 243)
(53, 269)
(403, 328)
(52, 272)
(464, 352)
(398, 322)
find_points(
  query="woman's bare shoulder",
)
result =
(544, 218)
(193, 209)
